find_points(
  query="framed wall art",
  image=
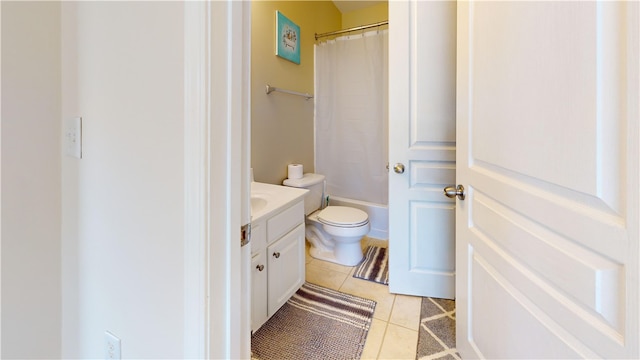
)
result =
(287, 38)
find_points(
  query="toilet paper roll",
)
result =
(295, 171)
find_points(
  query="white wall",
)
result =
(30, 180)
(122, 244)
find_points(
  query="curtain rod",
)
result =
(381, 23)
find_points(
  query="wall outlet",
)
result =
(112, 346)
(73, 137)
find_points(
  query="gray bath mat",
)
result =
(375, 266)
(316, 323)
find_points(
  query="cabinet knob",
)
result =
(260, 267)
(276, 255)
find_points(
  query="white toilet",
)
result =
(335, 231)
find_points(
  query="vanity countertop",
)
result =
(267, 199)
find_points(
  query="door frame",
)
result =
(216, 178)
(205, 336)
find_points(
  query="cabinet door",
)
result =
(286, 267)
(258, 290)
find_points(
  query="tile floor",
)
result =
(394, 330)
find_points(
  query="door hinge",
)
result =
(245, 234)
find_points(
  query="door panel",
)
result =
(589, 277)
(437, 254)
(573, 128)
(259, 312)
(422, 137)
(490, 285)
(547, 238)
(286, 269)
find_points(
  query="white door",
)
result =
(422, 135)
(547, 237)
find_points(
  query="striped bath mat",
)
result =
(375, 266)
(315, 324)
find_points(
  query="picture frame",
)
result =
(287, 38)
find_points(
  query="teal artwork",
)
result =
(287, 38)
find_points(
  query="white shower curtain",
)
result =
(351, 117)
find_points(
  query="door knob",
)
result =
(452, 192)
(276, 255)
(399, 168)
(260, 267)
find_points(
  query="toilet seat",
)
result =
(343, 216)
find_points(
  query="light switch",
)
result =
(73, 137)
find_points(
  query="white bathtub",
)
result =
(378, 215)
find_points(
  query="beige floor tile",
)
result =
(331, 266)
(364, 243)
(324, 277)
(406, 312)
(353, 270)
(374, 339)
(371, 290)
(399, 343)
(377, 242)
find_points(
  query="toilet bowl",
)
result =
(334, 232)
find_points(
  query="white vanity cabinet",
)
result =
(277, 260)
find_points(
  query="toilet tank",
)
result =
(315, 184)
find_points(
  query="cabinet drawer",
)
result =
(258, 237)
(285, 221)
